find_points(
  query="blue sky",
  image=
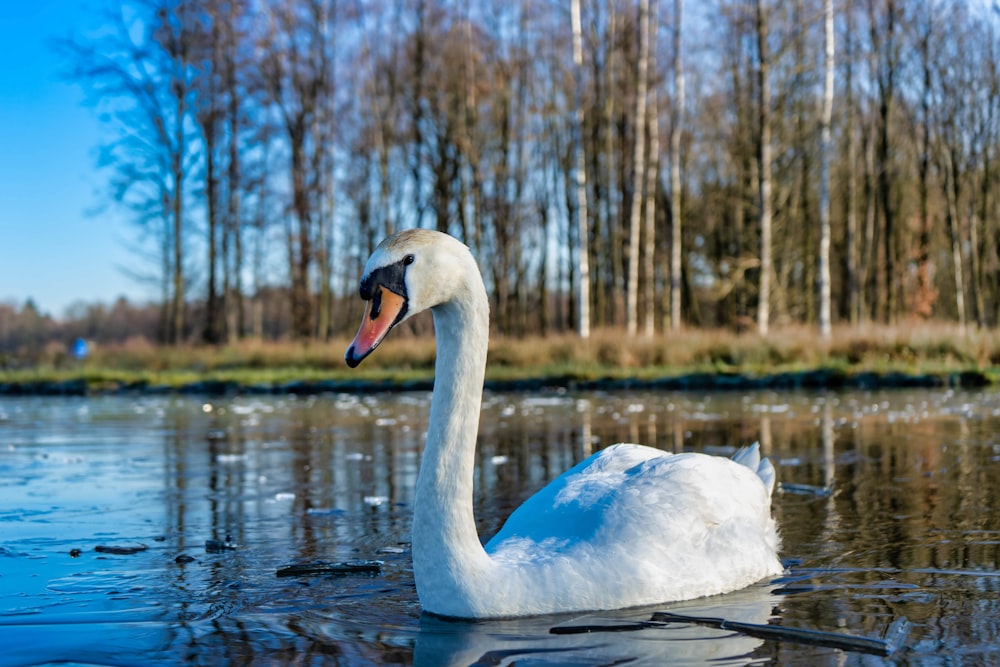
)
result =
(57, 245)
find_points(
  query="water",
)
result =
(890, 508)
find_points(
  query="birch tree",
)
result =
(676, 212)
(638, 176)
(652, 178)
(583, 240)
(824, 188)
(764, 167)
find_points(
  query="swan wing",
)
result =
(690, 521)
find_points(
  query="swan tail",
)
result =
(751, 458)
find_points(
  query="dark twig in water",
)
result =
(893, 636)
(883, 646)
(372, 567)
(610, 626)
(120, 551)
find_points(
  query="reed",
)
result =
(608, 352)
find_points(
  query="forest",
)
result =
(642, 165)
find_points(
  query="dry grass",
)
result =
(938, 347)
(923, 348)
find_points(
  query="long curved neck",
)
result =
(446, 546)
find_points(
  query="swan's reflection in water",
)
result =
(528, 641)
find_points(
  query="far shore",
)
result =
(699, 360)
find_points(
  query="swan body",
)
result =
(628, 526)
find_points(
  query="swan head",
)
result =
(409, 272)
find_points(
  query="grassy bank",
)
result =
(916, 350)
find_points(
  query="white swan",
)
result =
(628, 526)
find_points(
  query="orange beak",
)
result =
(383, 311)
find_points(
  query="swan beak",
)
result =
(382, 312)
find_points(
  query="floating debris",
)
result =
(610, 625)
(218, 546)
(886, 645)
(184, 559)
(806, 490)
(119, 551)
(883, 646)
(325, 511)
(390, 550)
(369, 567)
(75, 553)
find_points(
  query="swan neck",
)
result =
(446, 546)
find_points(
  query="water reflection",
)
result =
(890, 507)
(454, 643)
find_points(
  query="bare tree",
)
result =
(207, 56)
(296, 72)
(141, 72)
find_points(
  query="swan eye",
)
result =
(409, 259)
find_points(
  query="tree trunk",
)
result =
(638, 174)
(886, 83)
(922, 300)
(764, 169)
(676, 220)
(211, 333)
(851, 238)
(952, 197)
(652, 173)
(824, 191)
(233, 282)
(583, 239)
(177, 308)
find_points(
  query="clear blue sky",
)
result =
(54, 248)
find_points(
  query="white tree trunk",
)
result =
(652, 172)
(824, 187)
(764, 167)
(583, 253)
(675, 173)
(638, 177)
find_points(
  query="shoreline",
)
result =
(816, 379)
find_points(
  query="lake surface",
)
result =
(889, 507)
